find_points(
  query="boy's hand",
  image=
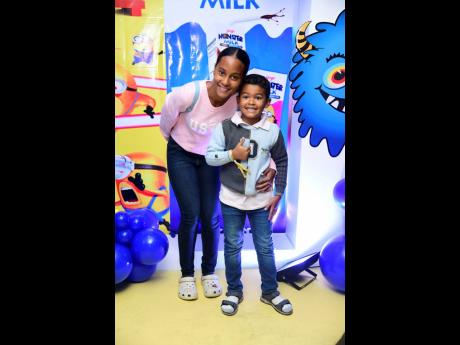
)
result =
(272, 206)
(265, 181)
(240, 152)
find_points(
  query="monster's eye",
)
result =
(120, 86)
(334, 77)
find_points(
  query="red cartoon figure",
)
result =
(132, 7)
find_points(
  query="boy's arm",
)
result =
(280, 157)
(216, 154)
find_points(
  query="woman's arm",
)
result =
(175, 103)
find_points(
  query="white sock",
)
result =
(286, 308)
(229, 308)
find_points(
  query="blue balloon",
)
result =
(148, 246)
(141, 273)
(137, 221)
(152, 220)
(121, 220)
(147, 218)
(163, 239)
(124, 236)
(339, 193)
(123, 263)
(332, 262)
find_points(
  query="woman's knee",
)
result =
(210, 221)
(189, 219)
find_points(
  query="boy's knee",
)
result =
(234, 245)
(264, 249)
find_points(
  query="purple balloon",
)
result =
(121, 220)
(137, 221)
(123, 263)
(332, 262)
(124, 236)
(339, 193)
(148, 246)
(151, 219)
(141, 273)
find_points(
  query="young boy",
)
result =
(243, 146)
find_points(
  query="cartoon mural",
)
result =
(127, 98)
(318, 78)
(143, 49)
(140, 179)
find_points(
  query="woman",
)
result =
(195, 183)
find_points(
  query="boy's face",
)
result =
(252, 102)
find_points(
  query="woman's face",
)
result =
(228, 75)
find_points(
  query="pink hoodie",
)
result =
(192, 130)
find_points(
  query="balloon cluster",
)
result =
(139, 245)
(332, 262)
(332, 255)
(339, 193)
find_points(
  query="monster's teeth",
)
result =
(343, 109)
(329, 99)
(335, 104)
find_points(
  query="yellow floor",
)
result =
(150, 313)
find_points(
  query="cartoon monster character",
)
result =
(127, 98)
(318, 78)
(140, 179)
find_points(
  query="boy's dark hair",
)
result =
(257, 79)
(239, 53)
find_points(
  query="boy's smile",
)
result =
(252, 101)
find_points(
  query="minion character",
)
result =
(270, 113)
(127, 98)
(140, 179)
(143, 49)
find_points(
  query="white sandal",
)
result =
(187, 288)
(211, 286)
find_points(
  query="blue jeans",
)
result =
(262, 236)
(196, 186)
